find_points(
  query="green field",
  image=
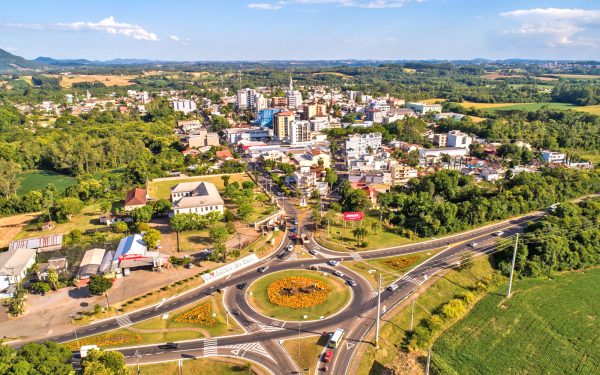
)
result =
(340, 238)
(162, 189)
(201, 366)
(338, 297)
(37, 180)
(547, 327)
(306, 351)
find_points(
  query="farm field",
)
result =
(337, 74)
(10, 227)
(492, 107)
(433, 100)
(108, 80)
(213, 366)
(37, 180)
(548, 326)
(396, 324)
(593, 109)
(162, 189)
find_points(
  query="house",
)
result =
(553, 157)
(58, 264)
(490, 174)
(42, 244)
(90, 263)
(132, 252)
(187, 125)
(135, 198)
(14, 264)
(196, 197)
(191, 151)
(224, 155)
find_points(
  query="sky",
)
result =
(302, 29)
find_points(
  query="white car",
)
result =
(313, 252)
(474, 244)
(333, 263)
(290, 248)
(392, 287)
(338, 273)
(498, 233)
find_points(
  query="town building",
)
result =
(553, 157)
(401, 174)
(281, 124)
(253, 134)
(14, 265)
(294, 97)
(440, 139)
(250, 99)
(311, 110)
(361, 144)
(279, 102)
(318, 124)
(188, 125)
(450, 115)
(135, 198)
(424, 108)
(91, 262)
(196, 197)
(133, 252)
(456, 138)
(41, 244)
(184, 105)
(202, 138)
(299, 133)
(265, 117)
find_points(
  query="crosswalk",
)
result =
(356, 256)
(210, 347)
(124, 321)
(412, 280)
(252, 347)
(274, 326)
(294, 256)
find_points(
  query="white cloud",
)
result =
(107, 25)
(264, 6)
(176, 39)
(367, 4)
(555, 26)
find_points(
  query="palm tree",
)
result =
(359, 234)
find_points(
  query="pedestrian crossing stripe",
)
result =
(210, 347)
(356, 256)
(252, 347)
(124, 321)
(412, 280)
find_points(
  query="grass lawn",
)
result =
(390, 268)
(306, 351)
(396, 324)
(37, 180)
(157, 330)
(88, 218)
(338, 297)
(217, 366)
(548, 326)
(341, 239)
(162, 189)
(262, 209)
(263, 245)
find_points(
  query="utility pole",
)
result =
(428, 361)
(74, 329)
(412, 315)
(378, 313)
(512, 268)
(138, 356)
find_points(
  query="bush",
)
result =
(120, 227)
(453, 309)
(40, 287)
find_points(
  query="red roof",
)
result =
(224, 154)
(135, 197)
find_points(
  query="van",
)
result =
(392, 287)
(84, 350)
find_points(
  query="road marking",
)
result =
(210, 347)
(250, 347)
(349, 345)
(123, 321)
(356, 256)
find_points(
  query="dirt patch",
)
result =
(11, 226)
(494, 76)
(107, 80)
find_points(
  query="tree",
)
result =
(53, 279)
(65, 208)
(225, 180)
(161, 207)
(104, 362)
(9, 182)
(99, 284)
(142, 214)
(218, 234)
(45, 358)
(375, 227)
(359, 234)
(120, 227)
(330, 177)
(152, 238)
(40, 288)
(245, 210)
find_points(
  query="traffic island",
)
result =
(298, 295)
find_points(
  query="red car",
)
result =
(327, 356)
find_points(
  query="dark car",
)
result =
(169, 345)
(241, 286)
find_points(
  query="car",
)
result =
(241, 286)
(327, 356)
(338, 273)
(313, 252)
(499, 233)
(392, 287)
(314, 267)
(290, 248)
(169, 345)
(263, 269)
(295, 221)
(333, 263)
(351, 282)
(474, 244)
(279, 194)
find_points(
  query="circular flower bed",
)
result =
(297, 292)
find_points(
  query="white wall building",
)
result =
(299, 133)
(424, 108)
(250, 99)
(294, 97)
(553, 157)
(186, 106)
(359, 144)
(456, 138)
(13, 268)
(196, 197)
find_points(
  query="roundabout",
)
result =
(298, 295)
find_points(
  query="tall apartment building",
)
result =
(401, 174)
(279, 102)
(250, 99)
(456, 138)
(299, 134)
(281, 124)
(311, 110)
(265, 116)
(440, 139)
(201, 138)
(359, 144)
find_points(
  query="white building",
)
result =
(436, 153)
(452, 115)
(299, 133)
(319, 123)
(186, 106)
(13, 268)
(250, 99)
(294, 97)
(553, 157)
(359, 144)
(424, 108)
(456, 138)
(187, 125)
(196, 197)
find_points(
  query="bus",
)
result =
(335, 338)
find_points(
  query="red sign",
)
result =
(353, 216)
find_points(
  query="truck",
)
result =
(336, 338)
(84, 350)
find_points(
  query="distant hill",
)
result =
(13, 63)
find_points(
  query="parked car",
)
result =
(263, 269)
(169, 345)
(313, 252)
(338, 273)
(333, 263)
(290, 248)
(351, 282)
(314, 267)
(327, 356)
(392, 287)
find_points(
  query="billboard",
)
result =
(353, 216)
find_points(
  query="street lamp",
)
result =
(107, 303)
(74, 329)
(138, 356)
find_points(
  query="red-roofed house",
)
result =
(224, 155)
(135, 198)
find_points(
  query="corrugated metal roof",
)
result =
(92, 257)
(12, 262)
(37, 242)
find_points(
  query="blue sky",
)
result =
(302, 29)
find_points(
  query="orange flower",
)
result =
(297, 292)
